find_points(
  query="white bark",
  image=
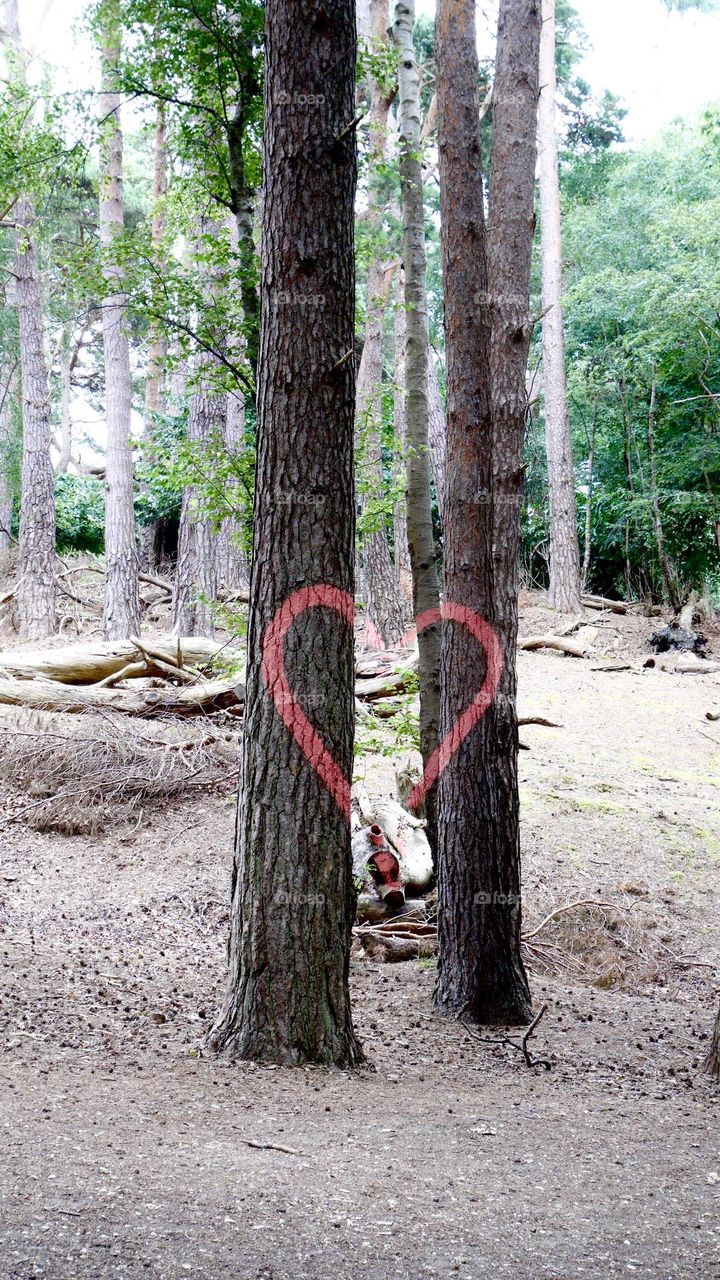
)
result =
(564, 548)
(122, 597)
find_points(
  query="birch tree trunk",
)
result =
(403, 567)
(121, 614)
(426, 593)
(480, 971)
(293, 900)
(564, 545)
(386, 620)
(36, 593)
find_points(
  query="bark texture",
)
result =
(426, 593)
(232, 567)
(480, 971)
(121, 615)
(564, 545)
(403, 567)
(6, 494)
(436, 434)
(195, 587)
(293, 899)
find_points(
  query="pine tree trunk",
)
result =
(232, 567)
(6, 435)
(403, 568)
(157, 352)
(436, 431)
(426, 593)
(386, 622)
(293, 901)
(564, 545)
(712, 1062)
(121, 615)
(480, 972)
(37, 591)
(195, 587)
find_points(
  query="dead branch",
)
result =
(570, 906)
(91, 662)
(203, 696)
(600, 602)
(554, 642)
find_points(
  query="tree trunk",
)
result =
(564, 546)
(157, 352)
(480, 972)
(386, 622)
(426, 593)
(195, 589)
(36, 594)
(232, 567)
(712, 1062)
(403, 568)
(36, 591)
(587, 549)
(6, 434)
(668, 575)
(436, 430)
(288, 997)
(121, 615)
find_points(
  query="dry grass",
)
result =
(77, 775)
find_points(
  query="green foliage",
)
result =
(79, 513)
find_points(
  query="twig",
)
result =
(272, 1146)
(583, 902)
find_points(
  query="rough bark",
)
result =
(426, 593)
(564, 545)
(155, 397)
(386, 622)
(587, 547)
(6, 494)
(195, 588)
(232, 568)
(480, 970)
(288, 995)
(121, 614)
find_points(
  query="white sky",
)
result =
(661, 65)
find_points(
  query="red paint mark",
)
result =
(453, 740)
(278, 685)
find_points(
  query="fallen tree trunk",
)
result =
(689, 664)
(387, 949)
(600, 602)
(385, 686)
(81, 664)
(571, 647)
(49, 695)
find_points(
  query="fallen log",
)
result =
(386, 685)
(81, 664)
(50, 695)
(571, 647)
(385, 948)
(600, 602)
(690, 664)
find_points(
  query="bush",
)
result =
(79, 514)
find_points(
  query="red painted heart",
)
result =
(287, 705)
(451, 743)
(308, 738)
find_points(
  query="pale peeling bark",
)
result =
(293, 901)
(403, 568)
(426, 593)
(436, 434)
(564, 545)
(36, 593)
(480, 971)
(121, 614)
(386, 622)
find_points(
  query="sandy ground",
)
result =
(126, 1152)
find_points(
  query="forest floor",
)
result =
(127, 1152)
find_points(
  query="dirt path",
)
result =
(125, 1153)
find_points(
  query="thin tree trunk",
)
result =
(195, 586)
(155, 397)
(587, 550)
(36, 594)
(669, 577)
(480, 971)
(712, 1062)
(426, 593)
(564, 546)
(386, 622)
(403, 567)
(6, 434)
(629, 481)
(121, 614)
(232, 567)
(436, 432)
(293, 900)
(66, 366)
